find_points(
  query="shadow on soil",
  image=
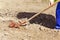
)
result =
(42, 19)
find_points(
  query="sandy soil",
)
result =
(38, 30)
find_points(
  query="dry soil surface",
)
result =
(9, 10)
